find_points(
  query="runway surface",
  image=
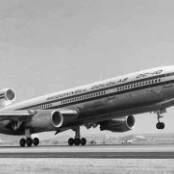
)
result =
(95, 151)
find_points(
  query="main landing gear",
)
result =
(77, 140)
(29, 141)
(160, 125)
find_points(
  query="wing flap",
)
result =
(16, 115)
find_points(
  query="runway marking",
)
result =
(110, 152)
(109, 155)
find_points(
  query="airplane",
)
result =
(110, 104)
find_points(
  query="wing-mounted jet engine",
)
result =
(7, 96)
(50, 120)
(122, 124)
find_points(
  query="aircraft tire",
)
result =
(29, 142)
(77, 141)
(36, 141)
(83, 141)
(22, 142)
(71, 141)
(160, 125)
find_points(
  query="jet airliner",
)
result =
(110, 104)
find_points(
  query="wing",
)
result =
(16, 115)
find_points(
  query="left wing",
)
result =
(16, 115)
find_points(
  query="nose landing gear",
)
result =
(160, 125)
(77, 140)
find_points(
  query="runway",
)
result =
(95, 151)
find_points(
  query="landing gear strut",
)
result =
(77, 140)
(29, 141)
(160, 125)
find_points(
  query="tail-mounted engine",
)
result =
(122, 124)
(7, 96)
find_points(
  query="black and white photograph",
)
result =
(87, 86)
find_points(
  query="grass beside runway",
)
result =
(96, 166)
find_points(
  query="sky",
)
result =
(47, 46)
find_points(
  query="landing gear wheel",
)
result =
(71, 141)
(160, 125)
(36, 141)
(22, 142)
(83, 141)
(29, 142)
(77, 141)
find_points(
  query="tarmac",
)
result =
(91, 151)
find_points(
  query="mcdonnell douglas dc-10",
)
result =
(110, 104)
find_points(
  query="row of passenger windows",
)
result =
(43, 106)
(83, 97)
(139, 84)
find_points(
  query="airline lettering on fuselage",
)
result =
(149, 74)
(67, 94)
(79, 91)
(112, 83)
(102, 85)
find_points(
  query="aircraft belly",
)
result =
(10, 131)
(169, 91)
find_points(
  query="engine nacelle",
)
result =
(49, 120)
(64, 118)
(122, 124)
(7, 96)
